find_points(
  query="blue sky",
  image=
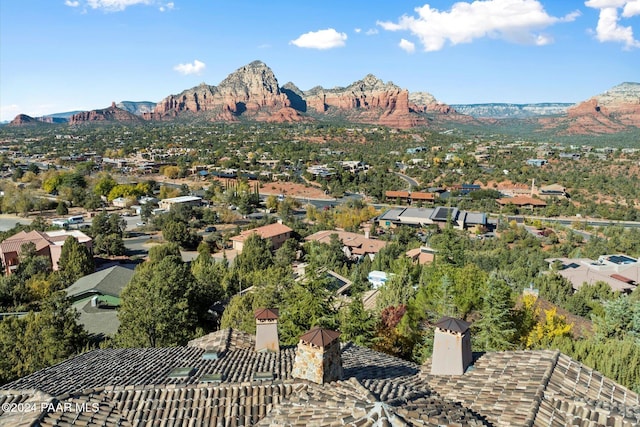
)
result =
(62, 55)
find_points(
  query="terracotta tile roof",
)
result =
(15, 242)
(397, 194)
(266, 314)
(130, 387)
(266, 232)
(423, 196)
(320, 337)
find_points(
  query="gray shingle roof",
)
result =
(110, 281)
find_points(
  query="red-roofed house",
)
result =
(47, 244)
(275, 232)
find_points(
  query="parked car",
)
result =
(210, 229)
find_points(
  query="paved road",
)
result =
(7, 223)
(410, 181)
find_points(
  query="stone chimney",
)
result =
(451, 347)
(113, 104)
(267, 329)
(318, 357)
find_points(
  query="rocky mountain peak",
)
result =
(624, 93)
(253, 78)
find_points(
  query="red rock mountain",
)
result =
(612, 111)
(22, 120)
(252, 91)
(369, 100)
(111, 114)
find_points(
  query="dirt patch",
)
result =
(294, 190)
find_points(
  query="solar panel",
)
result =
(621, 259)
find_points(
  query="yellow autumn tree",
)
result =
(543, 333)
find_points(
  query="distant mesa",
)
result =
(22, 120)
(252, 93)
(613, 111)
(111, 114)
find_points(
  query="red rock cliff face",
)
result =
(367, 101)
(111, 114)
(249, 90)
(252, 91)
(610, 112)
(22, 120)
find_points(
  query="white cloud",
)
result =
(358, 30)
(407, 46)
(511, 20)
(196, 68)
(9, 112)
(322, 39)
(543, 40)
(372, 31)
(71, 3)
(609, 28)
(632, 8)
(168, 6)
(116, 5)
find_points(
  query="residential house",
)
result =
(277, 233)
(620, 272)
(47, 244)
(97, 296)
(182, 200)
(355, 246)
(422, 255)
(409, 197)
(537, 162)
(440, 215)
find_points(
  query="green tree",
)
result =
(157, 305)
(75, 260)
(356, 323)
(62, 209)
(40, 339)
(255, 255)
(398, 290)
(495, 329)
(107, 231)
(620, 320)
(208, 275)
(307, 304)
(180, 233)
(104, 184)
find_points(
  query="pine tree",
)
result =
(495, 330)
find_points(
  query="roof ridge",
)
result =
(539, 396)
